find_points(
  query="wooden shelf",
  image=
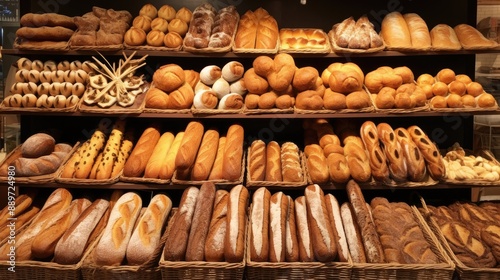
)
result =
(236, 55)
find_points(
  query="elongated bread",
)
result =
(419, 32)
(443, 37)
(395, 31)
(471, 38)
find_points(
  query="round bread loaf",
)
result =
(172, 40)
(135, 36)
(169, 77)
(142, 22)
(37, 145)
(159, 24)
(166, 12)
(155, 38)
(149, 10)
(184, 14)
(179, 26)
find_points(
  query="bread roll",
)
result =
(177, 239)
(358, 162)
(415, 162)
(166, 12)
(433, 159)
(259, 227)
(233, 153)
(195, 250)
(112, 247)
(236, 224)
(169, 77)
(138, 159)
(317, 165)
(392, 149)
(215, 241)
(322, 235)
(378, 159)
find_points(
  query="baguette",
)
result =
(190, 144)
(303, 232)
(157, 159)
(259, 227)
(110, 152)
(45, 242)
(233, 153)
(278, 211)
(89, 154)
(97, 162)
(273, 162)
(168, 166)
(112, 247)
(353, 234)
(146, 235)
(257, 161)
(70, 166)
(138, 159)
(125, 150)
(333, 208)
(236, 224)
(373, 248)
(214, 244)
(200, 224)
(21, 220)
(291, 242)
(322, 236)
(71, 246)
(216, 172)
(206, 156)
(177, 239)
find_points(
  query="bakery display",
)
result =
(47, 85)
(408, 32)
(257, 32)
(211, 30)
(356, 36)
(101, 29)
(450, 91)
(209, 226)
(163, 30)
(303, 40)
(115, 87)
(220, 89)
(46, 31)
(36, 159)
(274, 164)
(100, 158)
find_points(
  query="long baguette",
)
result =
(259, 226)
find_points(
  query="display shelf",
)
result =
(236, 55)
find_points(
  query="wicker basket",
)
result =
(442, 270)
(464, 272)
(200, 269)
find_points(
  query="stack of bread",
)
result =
(27, 206)
(43, 239)
(38, 155)
(172, 88)
(101, 28)
(270, 83)
(163, 27)
(193, 154)
(258, 31)
(303, 40)
(384, 232)
(132, 233)
(456, 91)
(45, 31)
(211, 29)
(210, 225)
(334, 156)
(273, 162)
(48, 84)
(220, 88)
(471, 231)
(306, 229)
(405, 32)
(356, 35)
(395, 88)
(344, 90)
(101, 157)
(464, 167)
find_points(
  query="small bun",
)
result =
(55, 88)
(405, 73)
(60, 101)
(22, 75)
(209, 74)
(439, 102)
(49, 65)
(75, 65)
(29, 100)
(385, 99)
(486, 100)
(469, 100)
(184, 14)
(43, 88)
(45, 76)
(445, 75)
(69, 76)
(221, 87)
(357, 100)
(463, 78)
(474, 89)
(58, 76)
(24, 63)
(155, 38)
(78, 89)
(427, 89)
(135, 37)
(81, 76)
(49, 102)
(87, 66)
(403, 101)
(29, 87)
(16, 100)
(252, 101)
(166, 12)
(179, 26)
(454, 101)
(457, 87)
(169, 77)
(142, 22)
(63, 65)
(238, 87)
(159, 24)
(34, 76)
(72, 101)
(149, 10)
(41, 100)
(172, 40)
(17, 88)
(233, 71)
(425, 79)
(37, 65)
(66, 89)
(440, 88)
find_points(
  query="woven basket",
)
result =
(200, 269)
(442, 270)
(147, 271)
(464, 272)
